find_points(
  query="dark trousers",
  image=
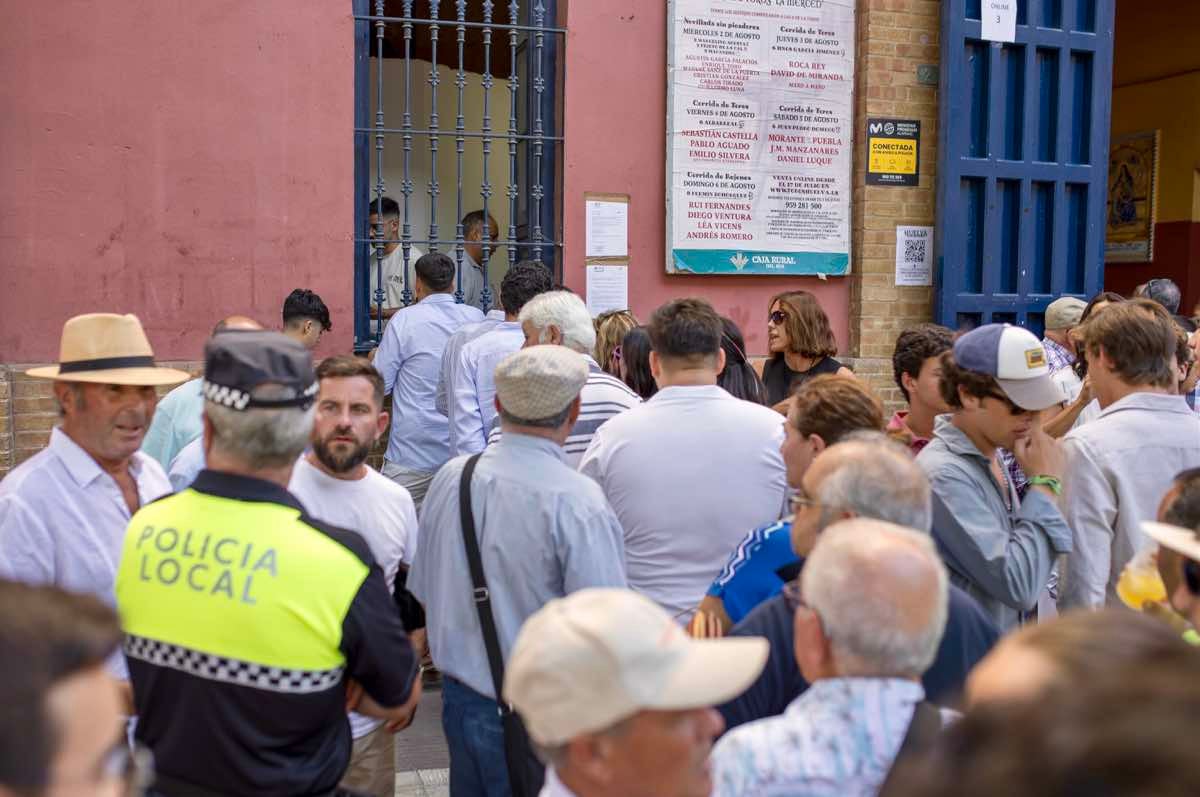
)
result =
(475, 736)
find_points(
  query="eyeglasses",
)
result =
(778, 317)
(1013, 409)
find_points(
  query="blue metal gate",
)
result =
(1023, 157)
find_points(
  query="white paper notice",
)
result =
(999, 20)
(607, 229)
(607, 288)
(914, 255)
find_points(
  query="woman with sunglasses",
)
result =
(801, 345)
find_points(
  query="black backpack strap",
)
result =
(483, 598)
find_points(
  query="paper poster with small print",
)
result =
(914, 255)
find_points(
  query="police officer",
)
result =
(246, 620)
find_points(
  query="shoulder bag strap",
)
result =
(483, 598)
(923, 730)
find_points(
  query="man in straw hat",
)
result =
(542, 531)
(243, 616)
(64, 511)
(619, 699)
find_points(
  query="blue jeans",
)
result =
(475, 736)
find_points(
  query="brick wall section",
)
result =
(894, 37)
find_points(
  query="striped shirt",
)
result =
(603, 397)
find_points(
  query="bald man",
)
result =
(864, 658)
(177, 419)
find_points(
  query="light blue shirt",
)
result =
(544, 531)
(838, 739)
(450, 356)
(177, 422)
(187, 465)
(474, 390)
(410, 359)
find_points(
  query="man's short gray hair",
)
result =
(566, 311)
(553, 422)
(262, 438)
(875, 477)
(865, 580)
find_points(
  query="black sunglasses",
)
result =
(778, 317)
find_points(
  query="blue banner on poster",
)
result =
(737, 261)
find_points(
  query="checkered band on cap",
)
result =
(231, 671)
(239, 399)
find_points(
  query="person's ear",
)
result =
(65, 394)
(576, 408)
(811, 648)
(910, 384)
(817, 442)
(656, 367)
(720, 360)
(208, 433)
(591, 756)
(553, 335)
(381, 424)
(968, 401)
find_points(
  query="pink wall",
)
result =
(182, 160)
(614, 117)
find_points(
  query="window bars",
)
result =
(533, 131)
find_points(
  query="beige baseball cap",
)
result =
(587, 661)
(1064, 313)
(540, 381)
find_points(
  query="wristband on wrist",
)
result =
(1051, 483)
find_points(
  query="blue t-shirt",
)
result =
(751, 575)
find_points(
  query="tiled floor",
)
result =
(421, 758)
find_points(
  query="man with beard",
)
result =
(64, 511)
(335, 484)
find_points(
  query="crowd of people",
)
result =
(633, 561)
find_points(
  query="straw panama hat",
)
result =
(109, 349)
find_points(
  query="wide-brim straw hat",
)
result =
(109, 349)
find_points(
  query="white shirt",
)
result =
(393, 276)
(409, 359)
(474, 390)
(374, 506)
(553, 787)
(688, 473)
(63, 519)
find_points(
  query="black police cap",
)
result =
(238, 361)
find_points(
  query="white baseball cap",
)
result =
(1183, 541)
(587, 661)
(1015, 357)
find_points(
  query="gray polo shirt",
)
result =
(1001, 557)
(544, 531)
